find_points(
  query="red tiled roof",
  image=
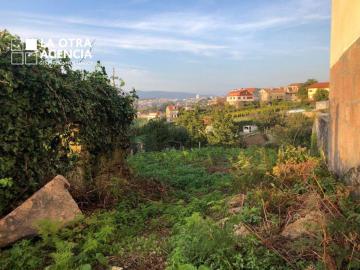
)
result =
(277, 90)
(171, 108)
(240, 92)
(320, 85)
(251, 90)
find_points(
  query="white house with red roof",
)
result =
(312, 89)
(238, 96)
(172, 112)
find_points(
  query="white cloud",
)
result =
(143, 42)
(234, 34)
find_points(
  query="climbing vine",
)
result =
(41, 108)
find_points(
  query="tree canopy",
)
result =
(303, 91)
(321, 95)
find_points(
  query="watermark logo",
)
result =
(29, 52)
(24, 53)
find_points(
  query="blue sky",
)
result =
(200, 46)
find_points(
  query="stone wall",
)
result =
(321, 133)
(344, 143)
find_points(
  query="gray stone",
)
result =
(321, 133)
(310, 219)
(309, 224)
(52, 202)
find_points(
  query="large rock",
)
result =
(310, 219)
(309, 224)
(52, 202)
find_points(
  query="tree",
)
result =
(223, 129)
(159, 135)
(296, 130)
(193, 122)
(303, 91)
(321, 94)
(268, 120)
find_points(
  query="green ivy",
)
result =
(43, 108)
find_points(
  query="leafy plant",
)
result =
(42, 107)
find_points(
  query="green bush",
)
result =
(158, 135)
(296, 129)
(321, 95)
(44, 108)
(251, 168)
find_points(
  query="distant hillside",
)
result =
(164, 94)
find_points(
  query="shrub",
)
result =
(47, 107)
(159, 135)
(321, 94)
(251, 168)
(294, 165)
(295, 130)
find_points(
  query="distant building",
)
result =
(254, 92)
(292, 90)
(293, 87)
(172, 112)
(272, 94)
(188, 108)
(216, 101)
(242, 95)
(150, 115)
(312, 89)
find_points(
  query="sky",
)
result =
(198, 46)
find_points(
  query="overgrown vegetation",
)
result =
(44, 109)
(228, 208)
(179, 213)
(157, 135)
(321, 95)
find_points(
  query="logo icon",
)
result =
(24, 54)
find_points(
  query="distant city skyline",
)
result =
(203, 47)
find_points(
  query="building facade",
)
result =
(272, 94)
(292, 91)
(312, 89)
(172, 112)
(216, 101)
(150, 115)
(344, 145)
(239, 96)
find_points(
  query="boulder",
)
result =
(52, 202)
(310, 219)
(309, 224)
